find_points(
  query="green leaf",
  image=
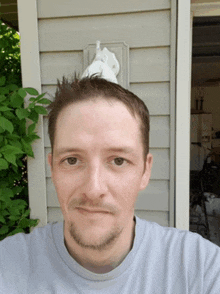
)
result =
(33, 222)
(27, 148)
(12, 87)
(4, 91)
(16, 100)
(31, 105)
(40, 96)
(31, 128)
(13, 137)
(15, 143)
(2, 98)
(11, 158)
(3, 164)
(33, 137)
(8, 149)
(14, 210)
(19, 204)
(31, 91)
(24, 223)
(22, 113)
(40, 110)
(10, 115)
(4, 229)
(17, 190)
(2, 81)
(5, 108)
(14, 217)
(27, 212)
(44, 101)
(6, 124)
(16, 231)
(32, 99)
(34, 116)
(22, 92)
(14, 168)
(6, 194)
(2, 219)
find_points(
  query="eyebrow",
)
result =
(127, 150)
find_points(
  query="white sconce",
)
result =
(105, 63)
(111, 62)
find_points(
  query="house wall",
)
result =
(204, 1)
(65, 28)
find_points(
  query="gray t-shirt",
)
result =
(163, 260)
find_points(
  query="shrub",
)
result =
(15, 145)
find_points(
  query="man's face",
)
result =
(96, 176)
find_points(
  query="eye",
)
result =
(119, 161)
(71, 160)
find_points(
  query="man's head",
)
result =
(97, 160)
(88, 89)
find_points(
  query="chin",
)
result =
(90, 237)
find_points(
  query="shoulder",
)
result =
(182, 240)
(183, 254)
(16, 249)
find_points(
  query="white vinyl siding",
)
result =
(67, 8)
(65, 28)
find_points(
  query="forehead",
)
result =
(96, 123)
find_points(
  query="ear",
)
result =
(50, 159)
(146, 176)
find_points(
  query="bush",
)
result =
(10, 63)
(15, 145)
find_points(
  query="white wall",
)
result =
(204, 1)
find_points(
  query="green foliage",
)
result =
(15, 145)
(10, 64)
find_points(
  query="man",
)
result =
(99, 162)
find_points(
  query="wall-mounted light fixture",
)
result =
(111, 62)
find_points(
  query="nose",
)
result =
(95, 182)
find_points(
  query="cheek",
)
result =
(126, 190)
(64, 184)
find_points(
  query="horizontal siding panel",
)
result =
(55, 65)
(67, 8)
(146, 65)
(161, 164)
(136, 29)
(159, 132)
(160, 217)
(154, 197)
(155, 95)
(150, 65)
(54, 214)
(160, 169)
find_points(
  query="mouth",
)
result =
(92, 212)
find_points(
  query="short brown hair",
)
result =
(90, 88)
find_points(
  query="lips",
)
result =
(85, 210)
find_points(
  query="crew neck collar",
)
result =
(58, 236)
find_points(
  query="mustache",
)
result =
(88, 205)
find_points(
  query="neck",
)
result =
(106, 260)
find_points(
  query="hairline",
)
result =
(109, 99)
